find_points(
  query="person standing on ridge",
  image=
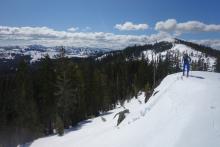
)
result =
(186, 63)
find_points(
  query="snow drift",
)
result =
(184, 112)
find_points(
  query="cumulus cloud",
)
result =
(87, 29)
(73, 29)
(30, 31)
(171, 25)
(50, 37)
(129, 26)
(214, 43)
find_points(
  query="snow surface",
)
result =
(185, 112)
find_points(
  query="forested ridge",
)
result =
(54, 94)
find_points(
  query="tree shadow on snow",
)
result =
(77, 127)
(105, 113)
(198, 77)
(74, 128)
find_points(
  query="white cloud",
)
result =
(214, 43)
(171, 25)
(30, 31)
(50, 37)
(129, 26)
(168, 25)
(72, 29)
(87, 28)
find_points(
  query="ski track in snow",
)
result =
(184, 113)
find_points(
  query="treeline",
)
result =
(56, 94)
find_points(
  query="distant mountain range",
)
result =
(36, 52)
(10, 55)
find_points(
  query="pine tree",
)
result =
(45, 84)
(148, 92)
(26, 117)
(59, 126)
(217, 64)
(65, 96)
(65, 91)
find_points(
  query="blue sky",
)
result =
(102, 16)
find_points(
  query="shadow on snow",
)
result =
(198, 77)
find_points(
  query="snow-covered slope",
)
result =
(178, 51)
(183, 112)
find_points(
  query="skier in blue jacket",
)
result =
(186, 63)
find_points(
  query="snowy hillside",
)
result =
(183, 112)
(202, 58)
(178, 51)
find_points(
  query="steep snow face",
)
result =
(183, 112)
(182, 48)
